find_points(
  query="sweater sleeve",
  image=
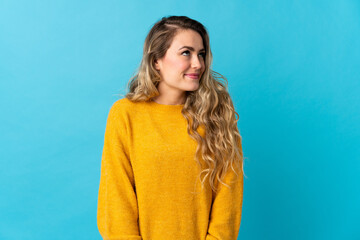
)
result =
(117, 211)
(226, 209)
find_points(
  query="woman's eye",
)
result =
(188, 52)
(185, 52)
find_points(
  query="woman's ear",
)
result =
(156, 65)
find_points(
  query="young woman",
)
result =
(172, 163)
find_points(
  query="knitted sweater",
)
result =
(149, 185)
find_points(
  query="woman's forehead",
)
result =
(189, 38)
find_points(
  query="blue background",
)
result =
(293, 71)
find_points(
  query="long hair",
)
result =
(210, 106)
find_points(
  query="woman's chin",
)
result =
(193, 87)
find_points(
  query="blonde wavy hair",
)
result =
(209, 106)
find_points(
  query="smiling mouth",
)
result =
(192, 76)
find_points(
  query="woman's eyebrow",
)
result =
(191, 48)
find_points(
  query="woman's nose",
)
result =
(195, 62)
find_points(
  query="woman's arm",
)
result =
(117, 213)
(226, 208)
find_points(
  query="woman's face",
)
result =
(183, 64)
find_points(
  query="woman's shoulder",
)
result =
(120, 109)
(124, 106)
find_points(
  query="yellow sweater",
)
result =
(149, 186)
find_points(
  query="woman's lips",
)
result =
(193, 76)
